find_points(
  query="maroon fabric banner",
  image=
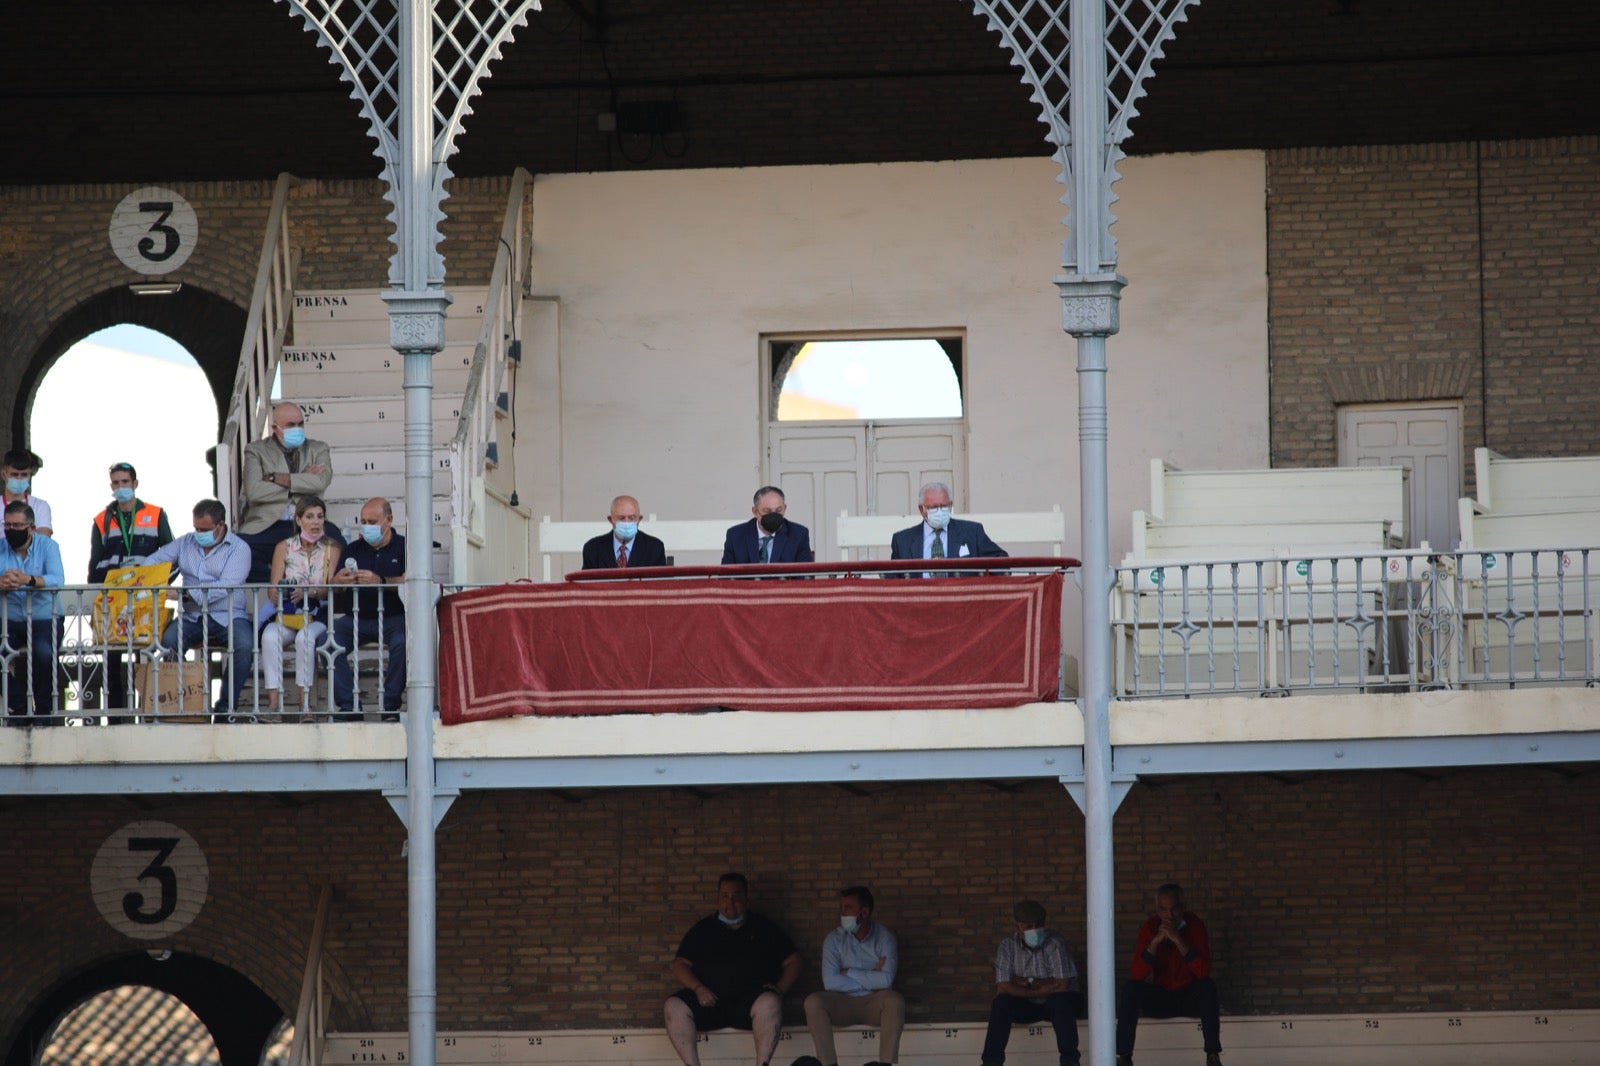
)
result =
(818, 645)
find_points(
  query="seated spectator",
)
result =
(212, 563)
(127, 531)
(302, 569)
(1036, 981)
(625, 545)
(364, 615)
(18, 468)
(1171, 976)
(30, 562)
(769, 537)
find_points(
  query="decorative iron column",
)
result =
(1107, 48)
(414, 66)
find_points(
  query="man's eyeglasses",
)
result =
(24, 527)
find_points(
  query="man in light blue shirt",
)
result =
(213, 562)
(859, 961)
(30, 562)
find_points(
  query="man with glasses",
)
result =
(212, 561)
(30, 563)
(278, 470)
(125, 534)
(624, 546)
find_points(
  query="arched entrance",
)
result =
(241, 1018)
(210, 327)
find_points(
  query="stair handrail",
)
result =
(502, 305)
(266, 324)
(306, 1047)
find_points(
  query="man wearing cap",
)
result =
(859, 960)
(735, 967)
(1171, 976)
(278, 470)
(624, 546)
(1037, 980)
(127, 531)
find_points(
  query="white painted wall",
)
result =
(648, 379)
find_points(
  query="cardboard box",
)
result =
(172, 691)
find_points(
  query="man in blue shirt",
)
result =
(859, 960)
(212, 562)
(29, 562)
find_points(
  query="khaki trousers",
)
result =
(885, 1010)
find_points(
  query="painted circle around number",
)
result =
(149, 879)
(153, 230)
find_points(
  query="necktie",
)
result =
(622, 557)
(766, 549)
(936, 550)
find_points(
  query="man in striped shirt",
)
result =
(1037, 980)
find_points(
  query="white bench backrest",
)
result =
(564, 538)
(1535, 486)
(1563, 529)
(1004, 528)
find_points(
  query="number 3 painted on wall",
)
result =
(149, 879)
(153, 230)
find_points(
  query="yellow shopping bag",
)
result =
(132, 611)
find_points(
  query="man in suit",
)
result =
(278, 470)
(939, 536)
(624, 546)
(769, 537)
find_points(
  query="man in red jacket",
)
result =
(1170, 976)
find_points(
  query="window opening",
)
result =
(866, 379)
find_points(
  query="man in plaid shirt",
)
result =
(1037, 980)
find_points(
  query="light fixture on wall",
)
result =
(155, 288)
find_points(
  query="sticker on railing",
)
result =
(1156, 576)
(1303, 567)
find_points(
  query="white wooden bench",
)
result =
(1530, 591)
(1006, 528)
(1483, 1038)
(679, 535)
(1304, 606)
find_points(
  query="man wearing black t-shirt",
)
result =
(377, 557)
(735, 968)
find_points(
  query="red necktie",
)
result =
(622, 557)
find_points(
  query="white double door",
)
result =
(1424, 438)
(865, 468)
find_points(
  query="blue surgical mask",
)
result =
(293, 437)
(938, 517)
(1033, 937)
(627, 530)
(725, 920)
(122, 495)
(371, 534)
(205, 538)
(847, 922)
(17, 485)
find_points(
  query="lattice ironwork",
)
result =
(1038, 35)
(363, 36)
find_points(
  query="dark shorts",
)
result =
(725, 1013)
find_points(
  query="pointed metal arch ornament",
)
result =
(364, 39)
(1037, 33)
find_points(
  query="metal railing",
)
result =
(470, 448)
(271, 312)
(1399, 621)
(72, 664)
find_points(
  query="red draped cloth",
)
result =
(820, 645)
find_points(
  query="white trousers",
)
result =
(274, 638)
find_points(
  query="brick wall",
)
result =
(1324, 893)
(1453, 271)
(64, 282)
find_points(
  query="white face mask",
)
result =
(1033, 937)
(847, 922)
(938, 517)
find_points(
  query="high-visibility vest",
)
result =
(144, 538)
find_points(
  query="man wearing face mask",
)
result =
(372, 611)
(278, 470)
(860, 958)
(30, 563)
(939, 536)
(125, 533)
(735, 967)
(215, 616)
(1037, 980)
(769, 537)
(18, 468)
(624, 546)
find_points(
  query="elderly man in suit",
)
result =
(278, 470)
(769, 537)
(625, 545)
(939, 536)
